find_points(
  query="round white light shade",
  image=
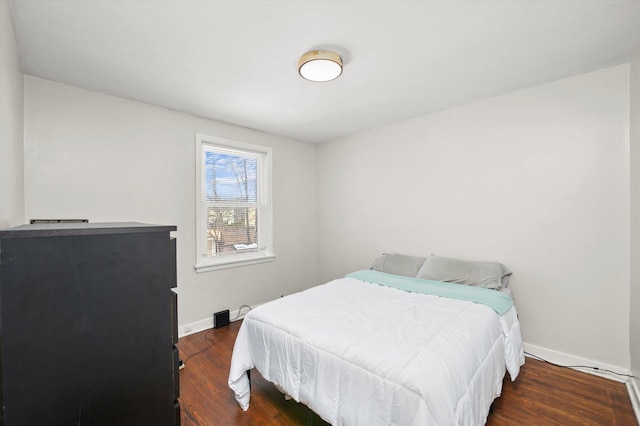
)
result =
(320, 65)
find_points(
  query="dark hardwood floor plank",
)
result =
(543, 394)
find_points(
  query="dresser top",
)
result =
(71, 229)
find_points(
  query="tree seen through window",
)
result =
(232, 196)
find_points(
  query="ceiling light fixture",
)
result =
(320, 65)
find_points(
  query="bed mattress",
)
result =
(358, 353)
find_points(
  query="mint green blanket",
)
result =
(497, 301)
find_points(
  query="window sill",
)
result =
(219, 264)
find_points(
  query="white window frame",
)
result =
(264, 253)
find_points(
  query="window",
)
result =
(234, 226)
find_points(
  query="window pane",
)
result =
(231, 230)
(231, 177)
(234, 214)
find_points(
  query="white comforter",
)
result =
(358, 353)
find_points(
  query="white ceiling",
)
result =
(235, 61)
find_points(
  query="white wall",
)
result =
(89, 155)
(11, 122)
(537, 179)
(634, 299)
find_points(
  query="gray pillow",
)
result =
(398, 264)
(474, 273)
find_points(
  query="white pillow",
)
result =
(474, 273)
(398, 264)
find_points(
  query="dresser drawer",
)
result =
(176, 372)
(176, 413)
(174, 317)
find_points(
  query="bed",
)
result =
(378, 348)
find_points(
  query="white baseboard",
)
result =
(634, 395)
(195, 327)
(592, 367)
(207, 323)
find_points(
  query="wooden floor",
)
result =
(542, 395)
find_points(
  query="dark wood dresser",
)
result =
(88, 324)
